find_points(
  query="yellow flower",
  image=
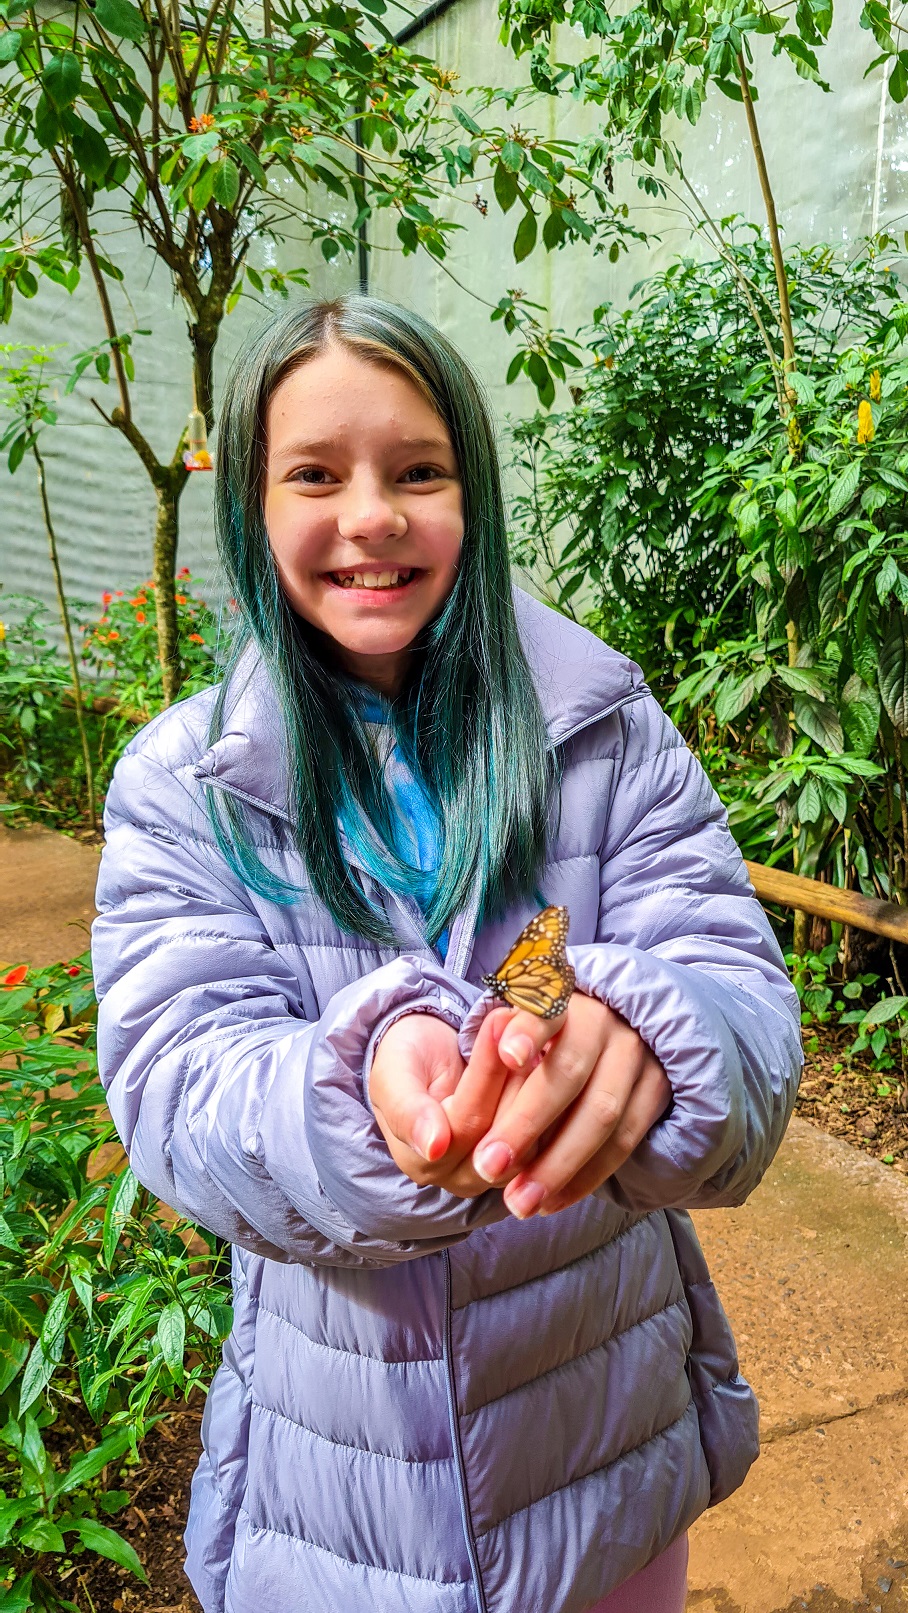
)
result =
(2, 632)
(795, 436)
(866, 427)
(876, 386)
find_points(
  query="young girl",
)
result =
(477, 1364)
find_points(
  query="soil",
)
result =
(842, 1098)
(153, 1523)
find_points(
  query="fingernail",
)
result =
(492, 1160)
(425, 1136)
(518, 1048)
(525, 1200)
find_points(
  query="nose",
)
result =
(369, 512)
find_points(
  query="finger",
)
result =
(548, 1090)
(584, 1130)
(411, 1115)
(525, 1037)
(472, 1106)
(648, 1102)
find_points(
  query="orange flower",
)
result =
(196, 638)
(112, 636)
(140, 616)
(200, 124)
(180, 599)
(16, 976)
(106, 599)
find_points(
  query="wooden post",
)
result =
(829, 902)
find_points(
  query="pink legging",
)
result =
(661, 1587)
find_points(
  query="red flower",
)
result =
(106, 599)
(16, 976)
(75, 970)
(183, 572)
(140, 616)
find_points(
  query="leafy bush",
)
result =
(41, 765)
(110, 1307)
(755, 561)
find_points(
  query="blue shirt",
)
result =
(417, 824)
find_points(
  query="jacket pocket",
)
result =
(727, 1407)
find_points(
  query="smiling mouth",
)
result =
(399, 577)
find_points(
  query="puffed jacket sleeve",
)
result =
(236, 1104)
(685, 953)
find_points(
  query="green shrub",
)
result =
(755, 562)
(42, 771)
(110, 1307)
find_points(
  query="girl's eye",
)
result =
(312, 476)
(422, 473)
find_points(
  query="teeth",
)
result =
(371, 579)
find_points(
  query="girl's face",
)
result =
(363, 508)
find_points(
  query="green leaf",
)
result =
(887, 1008)
(525, 239)
(46, 1353)
(8, 1238)
(13, 1356)
(787, 508)
(512, 156)
(91, 153)
(42, 1535)
(171, 1335)
(898, 81)
(62, 78)
(819, 721)
(119, 1207)
(893, 673)
(88, 1467)
(199, 145)
(844, 487)
(505, 187)
(810, 805)
(226, 182)
(47, 124)
(106, 1542)
(464, 119)
(10, 45)
(120, 18)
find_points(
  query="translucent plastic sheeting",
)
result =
(837, 162)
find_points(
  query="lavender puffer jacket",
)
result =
(426, 1406)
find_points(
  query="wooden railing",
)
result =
(829, 902)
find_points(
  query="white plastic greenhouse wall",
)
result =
(838, 164)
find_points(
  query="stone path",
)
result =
(813, 1271)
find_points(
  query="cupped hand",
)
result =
(579, 1111)
(431, 1108)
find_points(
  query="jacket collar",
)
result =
(578, 680)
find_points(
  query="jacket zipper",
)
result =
(462, 1492)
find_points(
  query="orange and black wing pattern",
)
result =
(535, 974)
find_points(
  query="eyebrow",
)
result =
(293, 449)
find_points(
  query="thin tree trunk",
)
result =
(775, 240)
(164, 570)
(70, 645)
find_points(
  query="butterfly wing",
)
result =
(536, 975)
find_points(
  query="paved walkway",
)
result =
(814, 1274)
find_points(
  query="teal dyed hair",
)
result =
(468, 719)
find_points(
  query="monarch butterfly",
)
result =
(536, 974)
